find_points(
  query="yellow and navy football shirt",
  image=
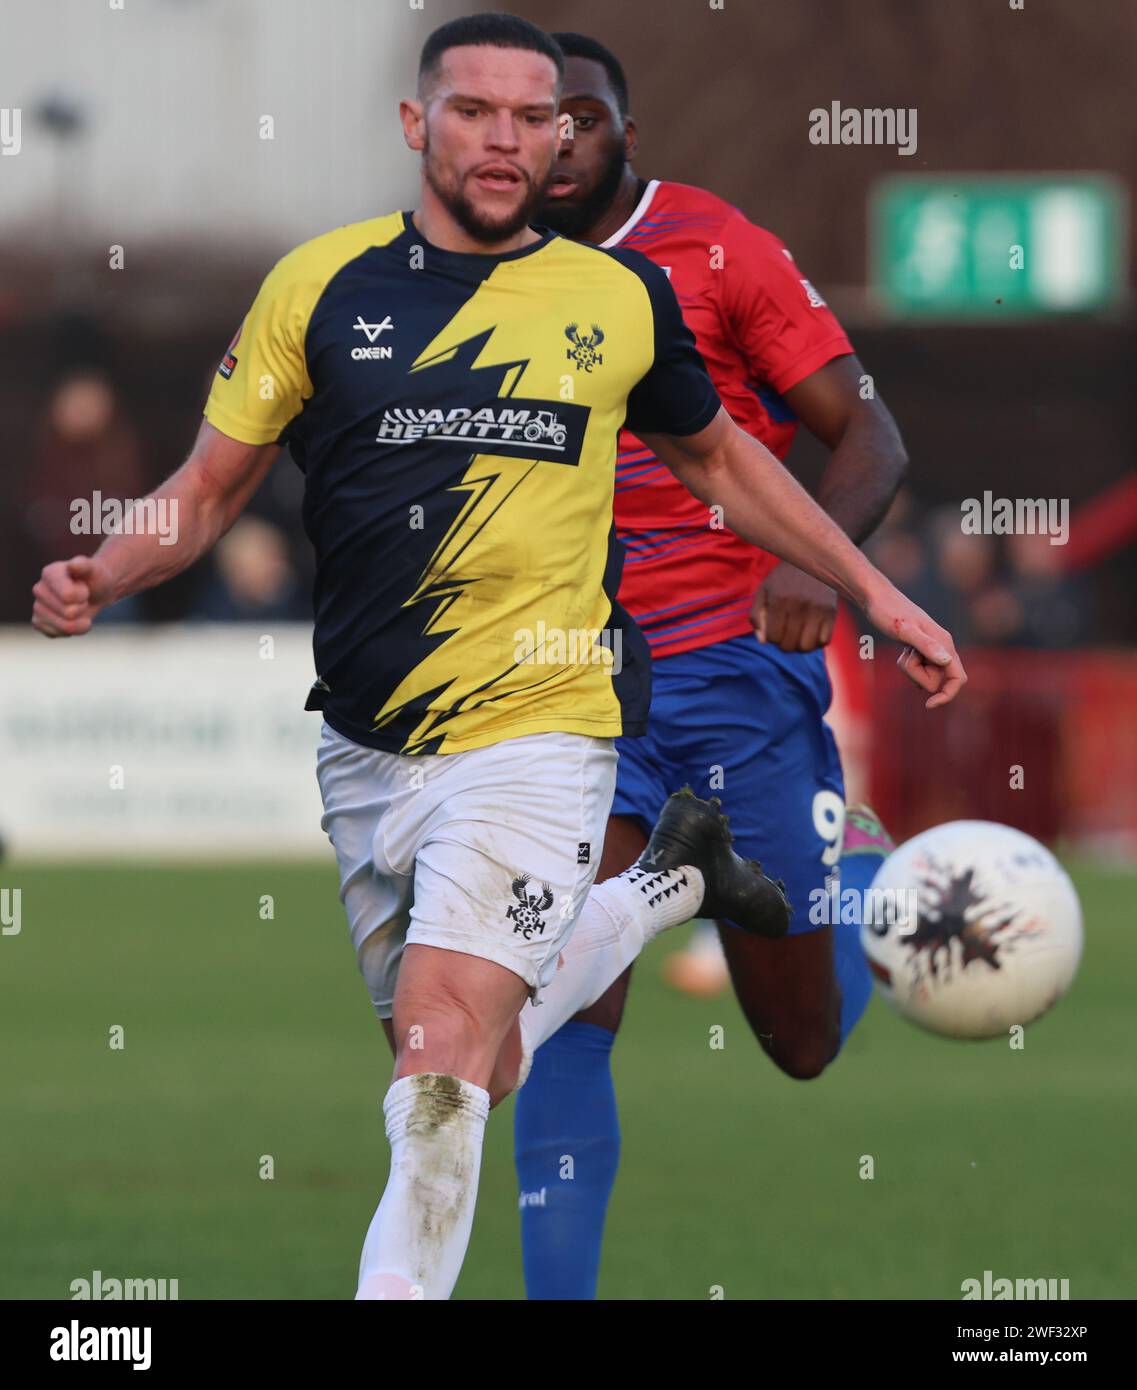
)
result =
(455, 416)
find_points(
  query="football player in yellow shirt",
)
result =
(451, 383)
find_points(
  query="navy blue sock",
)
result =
(857, 872)
(567, 1149)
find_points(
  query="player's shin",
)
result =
(571, 1110)
(418, 1236)
(567, 1147)
(849, 964)
(865, 847)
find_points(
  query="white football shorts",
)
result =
(490, 852)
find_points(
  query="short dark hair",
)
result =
(581, 46)
(494, 30)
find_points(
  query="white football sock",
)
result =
(418, 1236)
(620, 916)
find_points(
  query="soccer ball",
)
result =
(971, 928)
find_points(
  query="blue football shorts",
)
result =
(745, 721)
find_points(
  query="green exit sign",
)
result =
(990, 246)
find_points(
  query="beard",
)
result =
(572, 219)
(450, 191)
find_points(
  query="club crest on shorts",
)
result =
(526, 915)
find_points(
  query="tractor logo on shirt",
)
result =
(584, 349)
(544, 425)
(526, 916)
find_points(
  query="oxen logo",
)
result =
(584, 349)
(526, 915)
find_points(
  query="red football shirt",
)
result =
(761, 328)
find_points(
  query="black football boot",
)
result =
(695, 832)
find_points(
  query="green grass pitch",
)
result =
(246, 1037)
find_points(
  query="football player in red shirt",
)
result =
(740, 688)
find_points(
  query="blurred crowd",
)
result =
(259, 571)
(987, 590)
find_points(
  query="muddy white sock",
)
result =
(620, 916)
(418, 1236)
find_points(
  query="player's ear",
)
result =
(631, 137)
(414, 123)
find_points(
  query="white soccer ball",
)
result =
(971, 928)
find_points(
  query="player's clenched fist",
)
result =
(68, 596)
(794, 611)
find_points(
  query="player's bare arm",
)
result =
(211, 489)
(867, 465)
(761, 502)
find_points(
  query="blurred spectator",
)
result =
(85, 444)
(966, 568)
(986, 590)
(1056, 610)
(895, 549)
(254, 580)
(901, 551)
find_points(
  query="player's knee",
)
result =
(443, 1034)
(507, 1068)
(804, 1060)
(803, 1053)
